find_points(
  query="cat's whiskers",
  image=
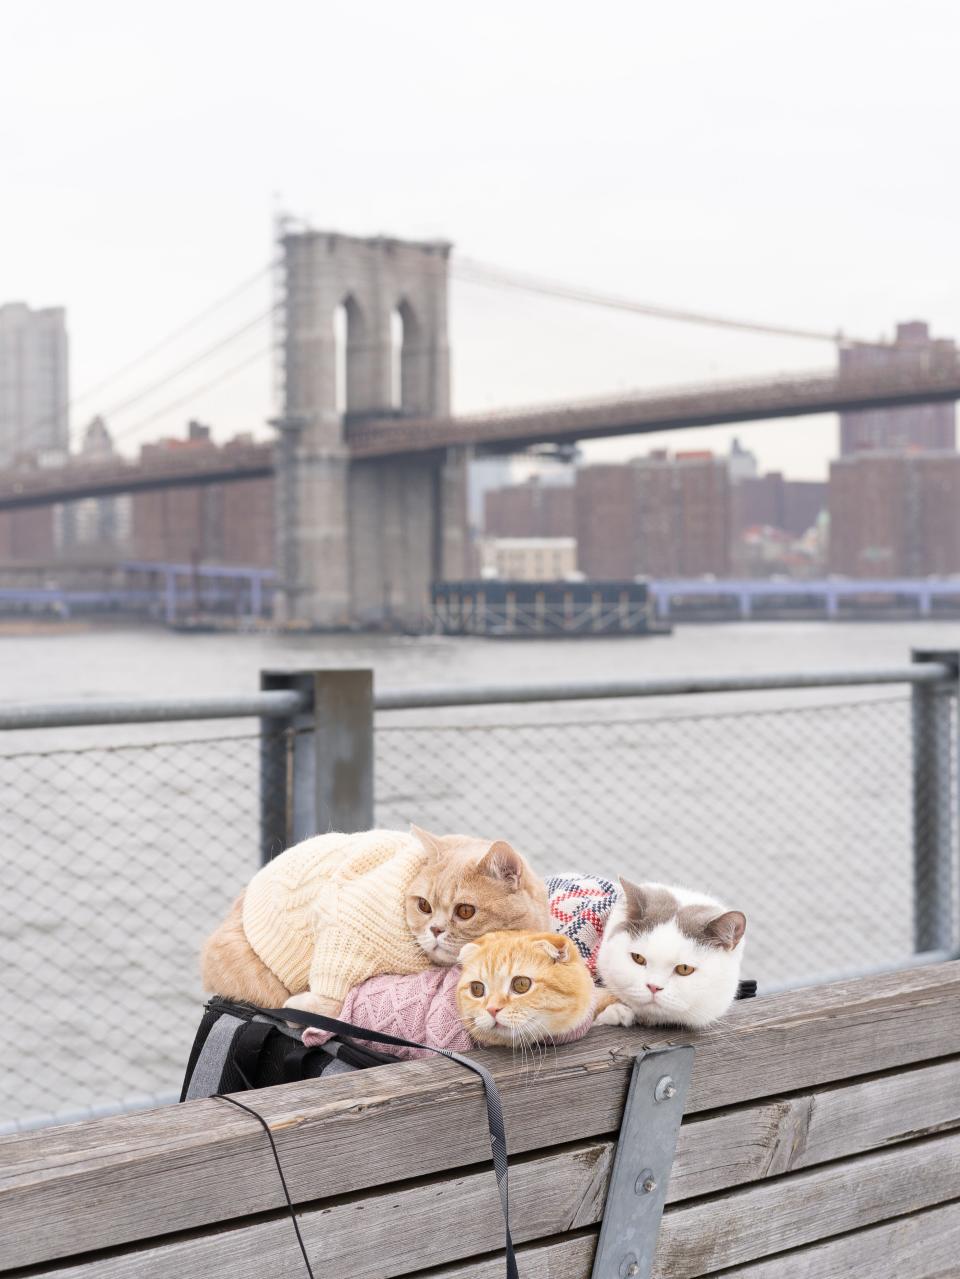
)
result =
(535, 1028)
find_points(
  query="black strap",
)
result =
(219, 1096)
(498, 1137)
(248, 1047)
(746, 989)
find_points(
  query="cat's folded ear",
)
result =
(726, 930)
(468, 952)
(556, 947)
(502, 862)
(431, 844)
(636, 899)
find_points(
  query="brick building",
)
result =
(772, 501)
(533, 509)
(895, 514)
(27, 535)
(924, 426)
(605, 513)
(658, 516)
(215, 523)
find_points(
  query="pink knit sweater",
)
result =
(420, 1006)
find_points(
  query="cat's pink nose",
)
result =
(493, 1009)
(653, 989)
(436, 929)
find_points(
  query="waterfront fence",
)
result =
(830, 818)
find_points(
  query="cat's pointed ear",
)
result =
(502, 862)
(636, 899)
(556, 948)
(468, 952)
(431, 844)
(726, 930)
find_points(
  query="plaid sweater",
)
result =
(580, 906)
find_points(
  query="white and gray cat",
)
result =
(669, 957)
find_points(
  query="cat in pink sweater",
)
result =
(510, 989)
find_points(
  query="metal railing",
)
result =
(832, 821)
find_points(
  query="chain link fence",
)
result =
(120, 859)
(117, 863)
(803, 818)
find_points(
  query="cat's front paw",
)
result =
(615, 1015)
(307, 1002)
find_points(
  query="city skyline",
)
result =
(713, 179)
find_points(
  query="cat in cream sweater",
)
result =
(336, 909)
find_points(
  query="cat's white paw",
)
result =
(616, 1015)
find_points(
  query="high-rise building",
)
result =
(741, 462)
(895, 514)
(773, 501)
(657, 516)
(96, 523)
(917, 426)
(33, 382)
(533, 509)
(216, 523)
(484, 474)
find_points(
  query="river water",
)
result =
(104, 663)
(124, 845)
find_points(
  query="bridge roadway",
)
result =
(716, 404)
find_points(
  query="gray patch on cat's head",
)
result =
(702, 924)
(647, 907)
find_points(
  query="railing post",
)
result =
(316, 768)
(343, 735)
(935, 805)
(287, 793)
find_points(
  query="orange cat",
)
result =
(339, 908)
(520, 988)
(515, 989)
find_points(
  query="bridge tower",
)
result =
(364, 336)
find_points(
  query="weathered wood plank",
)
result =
(789, 1212)
(550, 1194)
(68, 1190)
(391, 1234)
(749, 1143)
(924, 1245)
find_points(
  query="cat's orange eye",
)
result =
(520, 985)
(465, 911)
(638, 959)
(684, 970)
(424, 906)
(477, 989)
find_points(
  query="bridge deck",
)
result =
(672, 409)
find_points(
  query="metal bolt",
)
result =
(629, 1266)
(665, 1089)
(645, 1183)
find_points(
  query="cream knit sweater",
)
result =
(329, 912)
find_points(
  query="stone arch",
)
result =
(350, 344)
(410, 390)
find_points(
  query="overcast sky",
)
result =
(795, 163)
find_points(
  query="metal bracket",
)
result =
(641, 1167)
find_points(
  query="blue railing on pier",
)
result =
(826, 592)
(170, 591)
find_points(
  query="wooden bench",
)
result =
(821, 1138)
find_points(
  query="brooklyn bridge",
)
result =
(370, 492)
